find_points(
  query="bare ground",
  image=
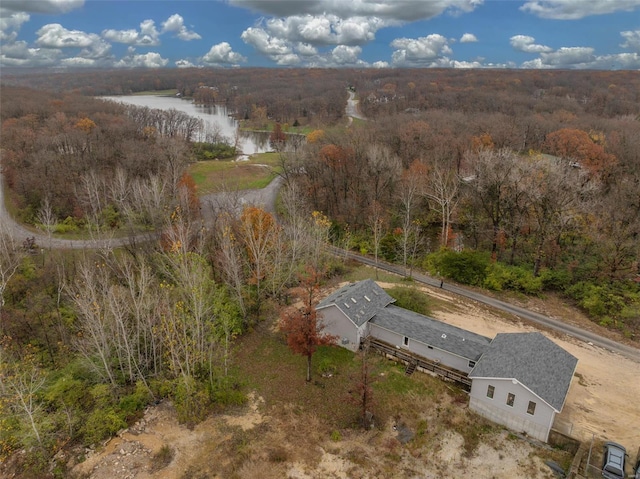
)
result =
(275, 441)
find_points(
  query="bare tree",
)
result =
(47, 218)
(11, 255)
(411, 189)
(377, 224)
(442, 189)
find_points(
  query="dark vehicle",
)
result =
(613, 463)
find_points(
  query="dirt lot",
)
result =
(604, 399)
(276, 440)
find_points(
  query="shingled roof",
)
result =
(431, 332)
(358, 301)
(531, 359)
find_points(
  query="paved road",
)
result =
(352, 107)
(537, 318)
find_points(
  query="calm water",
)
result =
(215, 117)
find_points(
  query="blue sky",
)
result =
(539, 34)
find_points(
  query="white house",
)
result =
(522, 381)
(519, 380)
(346, 312)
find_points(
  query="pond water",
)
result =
(215, 117)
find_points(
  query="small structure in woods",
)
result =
(519, 380)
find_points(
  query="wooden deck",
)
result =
(459, 377)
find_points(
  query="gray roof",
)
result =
(533, 360)
(358, 301)
(432, 332)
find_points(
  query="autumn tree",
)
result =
(258, 231)
(302, 328)
(580, 148)
(277, 138)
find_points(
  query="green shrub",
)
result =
(466, 267)
(411, 299)
(191, 400)
(598, 300)
(131, 404)
(102, 423)
(68, 225)
(228, 392)
(516, 278)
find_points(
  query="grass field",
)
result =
(170, 92)
(214, 175)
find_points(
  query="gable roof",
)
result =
(432, 332)
(533, 360)
(358, 301)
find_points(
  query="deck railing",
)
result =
(461, 378)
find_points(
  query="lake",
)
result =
(215, 117)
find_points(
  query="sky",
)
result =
(532, 34)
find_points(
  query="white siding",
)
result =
(443, 357)
(513, 417)
(337, 324)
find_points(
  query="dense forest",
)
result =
(525, 181)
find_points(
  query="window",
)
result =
(406, 341)
(510, 399)
(531, 409)
(490, 391)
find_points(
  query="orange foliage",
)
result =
(188, 188)
(85, 124)
(315, 136)
(577, 145)
(482, 142)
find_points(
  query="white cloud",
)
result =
(632, 40)
(380, 64)
(273, 47)
(288, 59)
(323, 29)
(42, 6)
(390, 10)
(576, 9)
(468, 38)
(76, 62)
(306, 50)
(19, 54)
(148, 36)
(55, 35)
(147, 60)
(10, 25)
(175, 24)
(525, 43)
(419, 51)
(222, 54)
(345, 55)
(567, 56)
(184, 64)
